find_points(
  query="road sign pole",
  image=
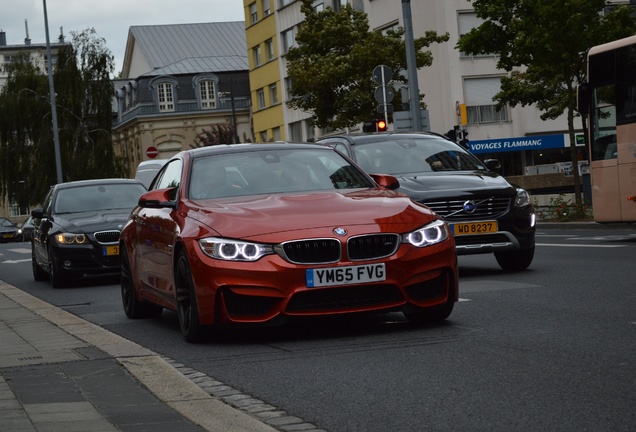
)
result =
(386, 113)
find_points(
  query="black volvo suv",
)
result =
(485, 212)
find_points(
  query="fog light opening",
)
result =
(67, 264)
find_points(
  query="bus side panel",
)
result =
(627, 171)
(627, 178)
(605, 191)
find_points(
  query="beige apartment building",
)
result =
(525, 141)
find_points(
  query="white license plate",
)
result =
(345, 275)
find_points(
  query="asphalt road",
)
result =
(550, 348)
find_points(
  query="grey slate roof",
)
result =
(182, 46)
(202, 65)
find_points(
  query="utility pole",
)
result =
(56, 135)
(411, 65)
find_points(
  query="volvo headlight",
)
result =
(523, 198)
(431, 234)
(70, 238)
(234, 250)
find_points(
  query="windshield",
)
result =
(6, 223)
(271, 171)
(98, 197)
(403, 155)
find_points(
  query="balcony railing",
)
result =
(223, 106)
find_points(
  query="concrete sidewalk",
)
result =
(59, 372)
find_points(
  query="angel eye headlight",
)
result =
(233, 250)
(70, 238)
(431, 234)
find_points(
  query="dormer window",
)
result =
(165, 96)
(208, 94)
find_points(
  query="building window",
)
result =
(256, 51)
(311, 134)
(479, 94)
(466, 22)
(276, 133)
(266, 8)
(288, 40)
(392, 26)
(165, 97)
(269, 49)
(273, 94)
(253, 13)
(263, 136)
(320, 7)
(288, 88)
(286, 2)
(296, 131)
(208, 94)
(260, 94)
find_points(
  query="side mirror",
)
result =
(159, 198)
(386, 181)
(492, 164)
(583, 98)
(37, 213)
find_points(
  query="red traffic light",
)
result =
(381, 126)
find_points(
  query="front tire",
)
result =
(133, 307)
(57, 281)
(431, 315)
(38, 272)
(515, 260)
(187, 308)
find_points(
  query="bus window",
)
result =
(604, 123)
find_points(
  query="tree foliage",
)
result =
(219, 133)
(332, 63)
(84, 96)
(543, 45)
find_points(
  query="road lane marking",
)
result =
(15, 261)
(581, 245)
(21, 250)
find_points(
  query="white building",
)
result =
(517, 136)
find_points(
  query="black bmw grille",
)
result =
(333, 300)
(107, 237)
(316, 251)
(372, 246)
(486, 208)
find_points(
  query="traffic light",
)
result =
(381, 125)
(452, 135)
(370, 126)
(464, 141)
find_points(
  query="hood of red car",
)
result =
(248, 217)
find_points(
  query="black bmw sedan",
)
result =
(77, 229)
(486, 214)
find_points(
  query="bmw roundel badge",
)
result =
(340, 231)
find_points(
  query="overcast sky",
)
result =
(111, 19)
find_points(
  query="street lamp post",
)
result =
(56, 136)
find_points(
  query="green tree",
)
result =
(84, 95)
(332, 63)
(219, 133)
(543, 45)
